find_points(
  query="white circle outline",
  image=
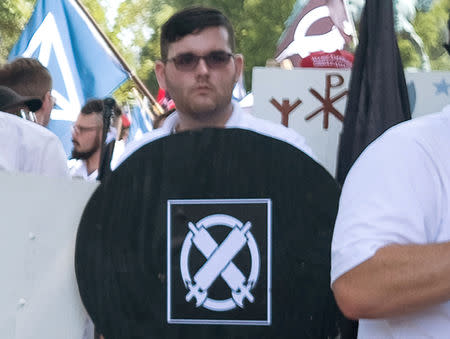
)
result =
(231, 222)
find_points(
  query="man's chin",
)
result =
(202, 107)
(81, 155)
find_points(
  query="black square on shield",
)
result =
(219, 261)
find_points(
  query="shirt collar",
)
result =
(233, 121)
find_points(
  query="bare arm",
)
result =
(398, 279)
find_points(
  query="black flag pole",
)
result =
(378, 97)
(106, 149)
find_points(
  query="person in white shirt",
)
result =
(87, 135)
(26, 146)
(28, 77)
(390, 254)
(199, 69)
(391, 243)
(87, 139)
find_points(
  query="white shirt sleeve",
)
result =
(391, 195)
(247, 121)
(27, 147)
(53, 160)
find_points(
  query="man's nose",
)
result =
(202, 67)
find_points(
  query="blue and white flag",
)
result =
(140, 123)
(82, 66)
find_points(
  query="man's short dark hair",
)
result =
(93, 106)
(193, 20)
(26, 76)
(97, 107)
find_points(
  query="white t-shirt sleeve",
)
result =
(391, 195)
(268, 128)
(53, 161)
(30, 148)
(137, 144)
(300, 142)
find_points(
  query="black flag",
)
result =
(378, 97)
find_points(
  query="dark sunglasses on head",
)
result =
(189, 61)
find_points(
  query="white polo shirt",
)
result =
(398, 192)
(238, 119)
(27, 147)
(78, 170)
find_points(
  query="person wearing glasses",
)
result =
(25, 146)
(28, 77)
(199, 68)
(86, 140)
(390, 252)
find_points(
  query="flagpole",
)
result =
(142, 88)
(352, 22)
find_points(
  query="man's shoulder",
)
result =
(135, 145)
(276, 131)
(36, 149)
(267, 125)
(427, 131)
(23, 126)
(27, 131)
(421, 144)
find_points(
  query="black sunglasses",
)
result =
(189, 61)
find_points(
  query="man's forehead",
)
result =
(209, 39)
(92, 118)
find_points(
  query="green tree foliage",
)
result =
(98, 13)
(431, 26)
(258, 30)
(14, 15)
(135, 25)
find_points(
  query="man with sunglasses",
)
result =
(199, 68)
(391, 245)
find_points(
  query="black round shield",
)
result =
(218, 233)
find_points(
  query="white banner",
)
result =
(313, 102)
(38, 291)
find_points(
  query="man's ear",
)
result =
(47, 103)
(47, 98)
(160, 73)
(43, 114)
(239, 66)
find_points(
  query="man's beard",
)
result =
(85, 155)
(199, 109)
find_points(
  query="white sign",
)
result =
(314, 102)
(38, 290)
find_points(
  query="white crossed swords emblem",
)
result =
(219, 262)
